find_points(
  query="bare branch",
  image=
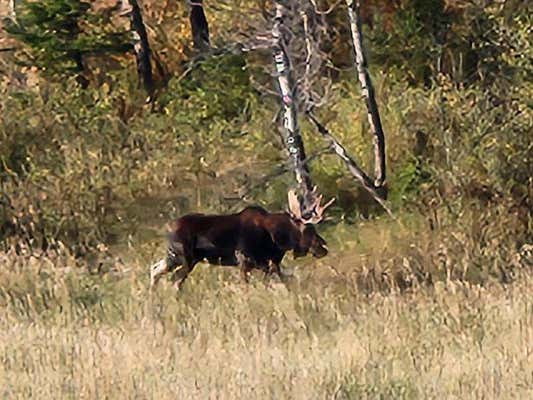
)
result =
(244, 191)
(328, 11)
(351, 164)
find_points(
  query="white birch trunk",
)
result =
(368, 93)
(291, 130)
(13, 10)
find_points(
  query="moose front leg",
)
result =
(245, 265)
(180, 275)
(274, 267)
(188, 262)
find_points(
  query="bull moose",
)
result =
(252, 238)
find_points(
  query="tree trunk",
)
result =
(291, 130)
(199, 26)
(368, 93)
(12, 10)
(141, 47)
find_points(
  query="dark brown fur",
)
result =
(253, 238)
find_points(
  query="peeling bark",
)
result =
(12, 10)
(291, 130)
(368, 93)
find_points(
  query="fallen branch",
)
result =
(351, 164)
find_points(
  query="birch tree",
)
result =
(13, 10)
(368, 93)
(290, 127)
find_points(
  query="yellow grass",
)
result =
(64, 334)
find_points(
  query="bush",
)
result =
(61, 33)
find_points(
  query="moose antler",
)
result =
(316, 211)
(294, 205)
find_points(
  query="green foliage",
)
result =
(478, 42)
(68, 160)
(89, 166)
(411, 47)
(408, 179)
(60, 33)
(215, 89)
(476, 136)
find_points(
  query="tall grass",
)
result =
(357, 324)
(434, 305)
(70, 335)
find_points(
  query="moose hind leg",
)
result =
(180, 275)
(157, 270)
(174, 258)
(268, 269)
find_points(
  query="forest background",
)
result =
(434, 302)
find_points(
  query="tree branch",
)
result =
(141, 47)
(351, 164)
(199, 26)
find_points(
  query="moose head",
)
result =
(309, 239)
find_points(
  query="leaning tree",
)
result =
(297, 30)
(294, 31)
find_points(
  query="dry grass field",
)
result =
(435, 304)
(69, 334)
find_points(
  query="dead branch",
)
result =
(351, 164)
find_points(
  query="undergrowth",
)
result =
(434, 303)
